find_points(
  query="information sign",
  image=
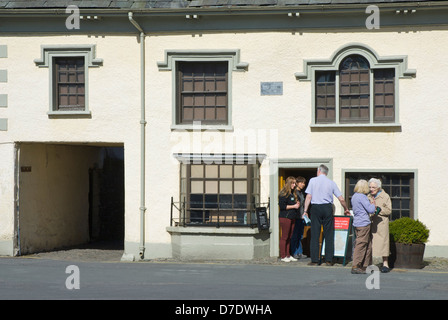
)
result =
(342, 226)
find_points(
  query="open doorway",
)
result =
(106, 200)
(69, 195)
(307, 173)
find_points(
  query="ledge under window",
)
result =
(69, 114)
(396, 127)
(202, 127)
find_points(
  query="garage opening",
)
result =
(69, 195)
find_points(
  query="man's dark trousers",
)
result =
(322, 215)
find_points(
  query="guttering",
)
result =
(142, 135)
(225, 10)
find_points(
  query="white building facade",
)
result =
(165, 127)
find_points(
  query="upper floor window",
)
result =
(68, 68)
(202, 86)
(355, 87)
(202, 92)
(357, 83)
(69, 84)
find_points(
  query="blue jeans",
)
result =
(297, 235)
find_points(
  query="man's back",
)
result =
(322, 190)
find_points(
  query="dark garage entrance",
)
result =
(69, 195)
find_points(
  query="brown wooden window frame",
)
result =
(69, 83)
(357, 95)
(384, 95)
(202, 95)
(354, 90)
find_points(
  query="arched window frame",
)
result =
(398, 63)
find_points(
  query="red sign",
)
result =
(341, 223)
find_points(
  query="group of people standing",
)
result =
(371, 209)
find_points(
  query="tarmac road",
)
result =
(42, 278)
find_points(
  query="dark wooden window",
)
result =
(220, 193)
(384, 91)
(325, 97)
(202, 92)
(399, 186)
(69, 84)
(354, 95)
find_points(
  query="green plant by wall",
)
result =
(407, 230)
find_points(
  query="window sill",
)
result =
(214, 231)
(381, 127)
(69, 114)
(202, 127)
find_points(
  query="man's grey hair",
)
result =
(323, 168)
(375, 181)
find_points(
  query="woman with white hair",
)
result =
(362, 209)
(380, 222)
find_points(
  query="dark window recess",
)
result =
(399, 186)
(202, 92)
(69, 84)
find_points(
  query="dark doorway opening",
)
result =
(307, 173)
(106, 200)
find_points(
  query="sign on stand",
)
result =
(342, 227)
(262, 218)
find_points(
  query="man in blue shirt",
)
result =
(320, 193)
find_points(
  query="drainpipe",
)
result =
(142, 138)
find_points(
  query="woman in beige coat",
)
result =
(380, 223)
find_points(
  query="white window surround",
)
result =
(398, 63)
(49, 52)
(232, 56)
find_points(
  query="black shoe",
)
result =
(313, 263)
(385, 269)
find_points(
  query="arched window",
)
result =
(354, 89)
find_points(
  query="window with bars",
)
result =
(69, 84)
(399, 186)
(355, 93)
(224, 194)
(202, 92)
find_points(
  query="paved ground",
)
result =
(110, 252)
(102, 275)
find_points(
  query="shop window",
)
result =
(219, 194)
